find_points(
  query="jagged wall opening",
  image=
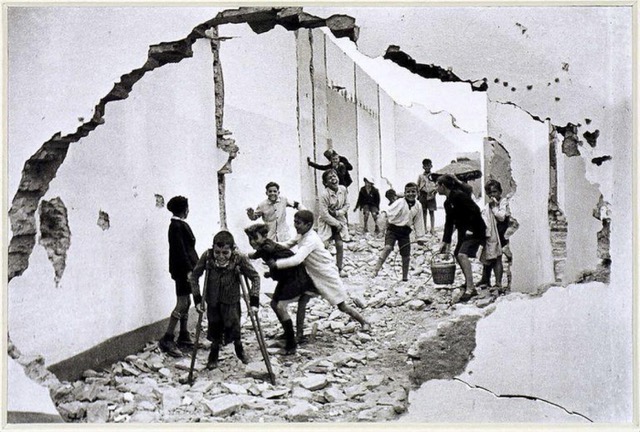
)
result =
(557, 221)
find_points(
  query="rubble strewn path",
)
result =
(340, 375)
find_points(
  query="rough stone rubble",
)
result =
(341, 375)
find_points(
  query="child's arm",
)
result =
(294, 204)
(194, 277)
(501, 209)
(252, 214)
(346, 163)
(318, 166)
(249, 271)
(298, 257)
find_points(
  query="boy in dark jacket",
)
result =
(340, 164)
(294, 284)
(369, 203)
(182, 258)
(225, 266)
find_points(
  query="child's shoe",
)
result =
(168, 346)
(242, 356)
(184, 340)
(290, 347)
(212, 362)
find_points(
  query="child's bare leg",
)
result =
(339, 252)
(386, 251)
(497, 268)
(375, 222)
(432, 217)
(282, 311)
(405, 267)
(365, 215)
(344, 307)
(300, 315)
(465, 266)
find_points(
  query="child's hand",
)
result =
(200, 307)
(308, 160)
(251, 213)
(267, 274)
(271, 264)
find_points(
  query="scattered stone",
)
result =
(332, 394)
(128, 369)
(314, 382)
(339, 358)
(367, 415)
(275, 393)
(165, 372)
(147, 406)
(301, 411)
(416, 305)
(128, 397)
(235, 388)
(356, 390)
(145, 417)
(223, 406)
(89, 373)
(72, 410)
(301, 393)
(374, 381)
(98, 412)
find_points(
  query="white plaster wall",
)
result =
(160, 140)
(527, 142)
(368, 130)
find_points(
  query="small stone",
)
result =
(275, 393)
(337, 325)
(128, 369)
(128, 397)
(89, 373)
(339, 358)
(314, 382)
(186, 401)
(484, 302)
(371, 355)
(301, 411)
(235, 388)
(356, 390)
(364, 337)
(145, 417)
(367, 415)
(223, 406)
(374, 381)
(165, 372)
(416, 305)
(414, 350)
(332, 394)
(301, 393)
(98, 412)
(147, 406)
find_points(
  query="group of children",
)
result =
(310, 270)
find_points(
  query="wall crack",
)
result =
(529, 397)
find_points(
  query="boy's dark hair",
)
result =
(452, 182)
(493, 184)
(271, 184)
(305, 216)
(224, 238)
(426, 161)
(410, 185)
(325, 175)
(390, 194)
(177, 204)
(252, 230)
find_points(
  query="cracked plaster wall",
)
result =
(146, 146)
(527, 142)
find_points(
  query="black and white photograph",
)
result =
(411, 215)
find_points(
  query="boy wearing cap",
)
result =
(369, 203)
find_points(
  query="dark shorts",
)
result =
(335, 234)
(468, 245)
(224, 323)
(427, 204)
(295, 283)
(399, 234)
(183, 288)
(367, 208)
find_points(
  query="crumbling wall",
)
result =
(527, 142)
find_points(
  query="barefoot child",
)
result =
(319, 265)
(182, 259)
(294, 284)
(401, 215)
(333, 207)
(225, 266)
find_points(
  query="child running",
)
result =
(319, 265)
(273, 212)
(333, 207)
(293, 284)
(225, 266)
(182, 259)
(401, 215)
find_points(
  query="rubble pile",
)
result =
(340, 375)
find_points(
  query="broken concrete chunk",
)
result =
(314, 382)
(332, 394)
(343, 26)
(275, 393)
(301, 393)
(170, 52)
(356, 390)
(235, 388)
(223, 406)
(416, 305)
(72, 410)
(146, 406)
(301, 411)
(145, 417)
(374, 381)
(128, 369)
